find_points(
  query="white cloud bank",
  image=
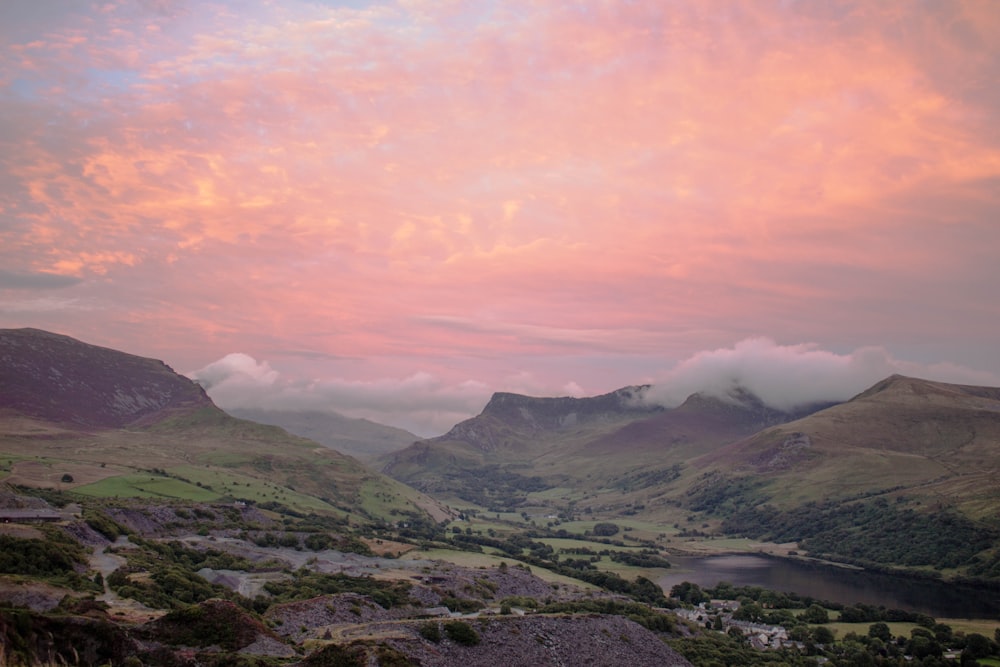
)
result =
(786, 376)
(783, 376)
(420, 403)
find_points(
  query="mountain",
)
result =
(519, 445)
(58, 379)
(902, 475)
(361, 438)
(931, 439)
(106, 423)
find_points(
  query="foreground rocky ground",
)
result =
(273, 604)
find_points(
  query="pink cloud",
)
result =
(416, 180)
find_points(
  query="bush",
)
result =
(430, 631)
(461, 632)
(605, 529)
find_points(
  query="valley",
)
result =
(179, 530)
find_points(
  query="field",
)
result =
(967, 626)
(145, 486)
(50, 473)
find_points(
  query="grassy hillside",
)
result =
(903, 474)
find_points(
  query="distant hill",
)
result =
(106, 423)
(360, 438)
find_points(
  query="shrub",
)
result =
(430, 631)
(461, 632)
(605, 529)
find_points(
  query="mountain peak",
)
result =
(564, 410)
(903, 388)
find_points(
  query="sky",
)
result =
(394, 209)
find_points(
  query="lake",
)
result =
(847, 586)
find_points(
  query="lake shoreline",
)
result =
(833, 582)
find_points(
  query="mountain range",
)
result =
(903, 474)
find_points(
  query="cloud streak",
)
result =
(421, 403)
(35, 281)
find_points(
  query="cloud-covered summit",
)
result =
(788, 376)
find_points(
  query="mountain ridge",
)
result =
(59, 379)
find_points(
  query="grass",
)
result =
(146, 486)
(226, 459)
(968, 626)
(560, 543)
(246, 487)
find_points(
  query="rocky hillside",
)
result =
(59, 379)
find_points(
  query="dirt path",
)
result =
(106, 562)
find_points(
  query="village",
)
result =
(718, 615)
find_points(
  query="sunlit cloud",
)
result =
(441, 187)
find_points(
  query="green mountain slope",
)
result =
(931, 440)
(903, 474)
(105, 423)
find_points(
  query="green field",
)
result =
(246, 487)
(968, 626)
(146, 486)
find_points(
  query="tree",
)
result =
(605, 529)
(688, 592)
(943, 633)
(461, 632)
(921, 646)
(881, 631)
(430, 631)
(815, 614)
(977, 645)
(822, 635)
(749, 611)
